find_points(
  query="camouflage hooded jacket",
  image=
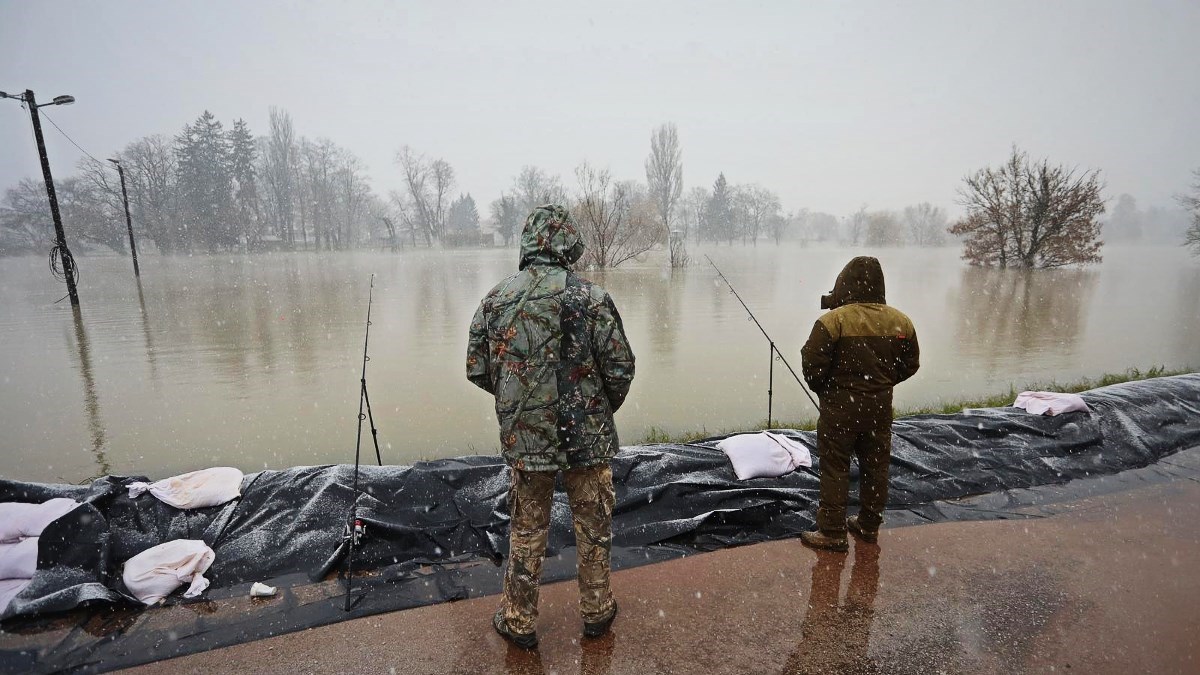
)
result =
(861, 348)
(551, 348)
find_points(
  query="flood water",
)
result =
(254, 361)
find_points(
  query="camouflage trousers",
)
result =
(590, 494)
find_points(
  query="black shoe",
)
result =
(600, 627)
(825, 542)
(522, 640)
(869, 536)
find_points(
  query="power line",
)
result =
(43, 114)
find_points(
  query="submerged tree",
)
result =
(1028, 215)
(926, 224)
(883, 229)
(615, 219)
(1191, 202)
(664, 179)
(856, 226)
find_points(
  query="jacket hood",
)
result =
(861, 280)
(550, 238)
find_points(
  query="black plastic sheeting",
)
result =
(436, 531)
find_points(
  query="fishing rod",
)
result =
(355, 529)
(775, 353)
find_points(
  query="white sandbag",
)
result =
(20, 519)
(19, 560)
(156, 572)
(194, 490)
(9, 588)
(764, 454)
(1050, 402)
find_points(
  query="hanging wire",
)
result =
(43, 114)
(59, 259)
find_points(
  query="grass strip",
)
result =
(657, 435)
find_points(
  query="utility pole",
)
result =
(128, 220)
(64, 254)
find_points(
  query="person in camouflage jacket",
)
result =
(551, 348)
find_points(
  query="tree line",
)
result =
(210, 188)
(206, 189)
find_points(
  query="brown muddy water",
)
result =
(254, 361)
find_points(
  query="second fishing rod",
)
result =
(775, 353)
(355, 528)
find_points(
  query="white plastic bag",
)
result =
(156, 572)
(9, 588)
(20, 519)
(1049, 402)
(194, 490)
(19, 560)
(764, 454)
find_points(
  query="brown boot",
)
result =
(522, 640)
(869, 536)
(600, 627)
(825, 541)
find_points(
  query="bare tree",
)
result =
(778, 224)
(319, 166)
(664, 178)
(694, 210)
(429, 183)
(442, 182)
(820, 226)
(883, 229)
(354, 203)
(98, 194)
(1191, 202)
(280, 170)
(25, 217)
(926, 224)
(150, 172)
(1030, 215)
(534, 187)
(616, 222)
(856, 225)
(755, 206)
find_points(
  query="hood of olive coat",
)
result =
(550, 238)
(861, 280)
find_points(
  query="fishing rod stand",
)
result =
(775, 353)
(771, 382)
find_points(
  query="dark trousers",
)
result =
(870, 440)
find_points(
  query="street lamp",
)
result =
(128, 220)
(60, 248)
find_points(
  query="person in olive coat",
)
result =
(857, 352)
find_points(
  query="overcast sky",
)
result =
(832, 105)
